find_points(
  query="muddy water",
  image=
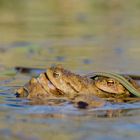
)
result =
(84, 36)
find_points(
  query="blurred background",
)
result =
(83, 35)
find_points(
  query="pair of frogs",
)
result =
(88, 90)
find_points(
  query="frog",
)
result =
(112, 85)
(109, 85)
(125, 82)
(58, 82)
(39, 87)
(72, 84)
(32, 89)
(42, 88)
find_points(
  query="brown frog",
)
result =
(72, 84)
(58, 82)
(111, 85)
(39, 87)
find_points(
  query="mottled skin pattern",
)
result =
(38, 88)
(72, 84)
(111, 85)
(58, 82)
(42, 88)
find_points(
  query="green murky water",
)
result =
(84, 36)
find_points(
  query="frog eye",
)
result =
(110, 82)
(96, 78)
(56, 74)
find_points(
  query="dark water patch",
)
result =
(8, 99)
(60, 58)
(119, 50)
(28, 70)
(15, 105)
(7, 134)
(87, 61)
(20, 44)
